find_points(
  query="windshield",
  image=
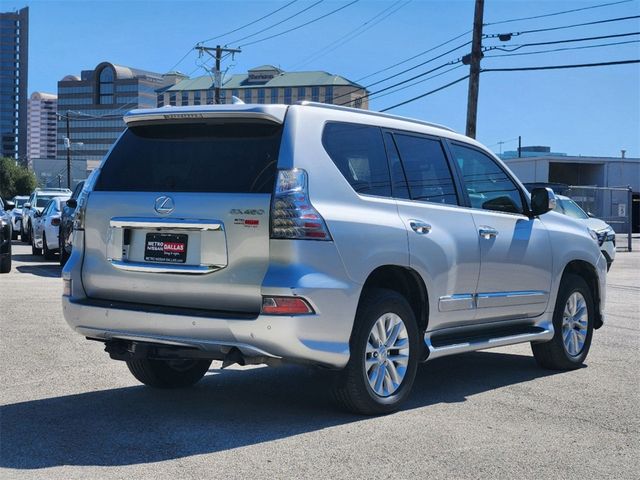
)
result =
(572, 209)
(19, 202)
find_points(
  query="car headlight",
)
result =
(605, 235)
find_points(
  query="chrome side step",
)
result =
(441, 344)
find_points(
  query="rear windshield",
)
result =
(194, 157)
(43, 200)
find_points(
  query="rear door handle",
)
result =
(420, 227)
(488, 232)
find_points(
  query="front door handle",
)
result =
(420, 227)
(488, 232)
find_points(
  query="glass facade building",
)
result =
(14, 59)
(94, 104)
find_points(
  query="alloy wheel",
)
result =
(387, 354)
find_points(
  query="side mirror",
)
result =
(543, 200)
(27, 205)
(9, 205)
(72, 203)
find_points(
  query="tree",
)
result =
(15, 179)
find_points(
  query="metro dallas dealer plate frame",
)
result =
(166, 247)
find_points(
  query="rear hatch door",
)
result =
(179, 215)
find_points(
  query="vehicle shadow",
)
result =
(226, 410)
(41, 270)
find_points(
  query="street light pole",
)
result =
(68, 154)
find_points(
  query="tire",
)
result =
(353, 390)
(5, 263)
(34, 250)
(168, 373)
(48, 254)
(24, 234)
(556, 354)
(14, 234)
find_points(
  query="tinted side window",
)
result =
(426, 169)
(76, 192)
(398, 179)
(488, 186)
(358, 152)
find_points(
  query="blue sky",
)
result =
(592, 111)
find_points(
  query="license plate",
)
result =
(166, 247)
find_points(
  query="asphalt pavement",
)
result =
(69, 412)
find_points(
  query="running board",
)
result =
(441, 344)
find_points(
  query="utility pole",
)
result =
(519, 146)
(217, 74)
(474, 69)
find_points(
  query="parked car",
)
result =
(36, 203)
(16, 214)
(328, 236)
(46, 225)
(5, 235)
(66, 224)
(605, 233)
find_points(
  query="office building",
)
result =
(41, 124)
(267, 84)
(93, 105)
(14, 59)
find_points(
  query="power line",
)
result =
(250, 23)
(378, 96)
(425, 94)
(300, 26)
(405, 71)
(563, 49)
(181, 60)
(403, 82)
(451, 40)
(549, 29)
(558, 67)
(353, 33)
(555, 42)
(278, 23)
(556, 13)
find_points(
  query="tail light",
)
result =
(285, 306)
(55, 222)
(81, 207)
(292, 215)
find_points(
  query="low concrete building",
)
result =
(566, 170)
(53, 172)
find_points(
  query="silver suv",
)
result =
(322, 235)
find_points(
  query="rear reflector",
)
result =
(66, 287)
(285, 306)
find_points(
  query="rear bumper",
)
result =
(291, 338)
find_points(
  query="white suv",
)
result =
(352, 240)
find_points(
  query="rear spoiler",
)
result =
(173, 115)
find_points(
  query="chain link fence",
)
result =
(611, 204)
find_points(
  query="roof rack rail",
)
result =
(375, 114)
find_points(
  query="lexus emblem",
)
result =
(164, 205)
